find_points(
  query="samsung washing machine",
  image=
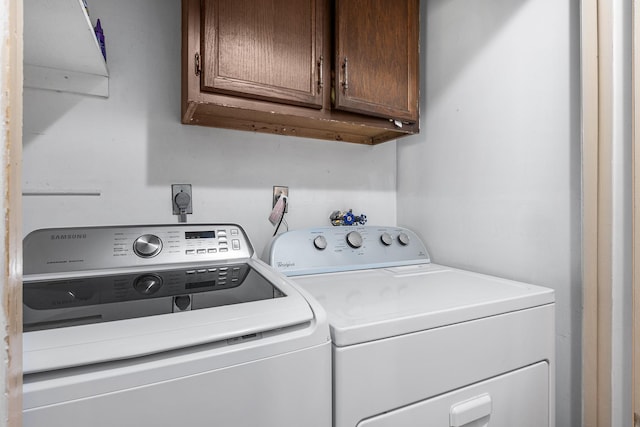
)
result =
(420, 344)
(177, 325)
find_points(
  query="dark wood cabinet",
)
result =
(376, 54)
(265, 49)
(278, 66)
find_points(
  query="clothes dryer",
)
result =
(421, 344)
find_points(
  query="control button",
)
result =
(224, 250)
(190, 251)
(79, 294)
(191, 272)
(235, 244)
(222, 241)
(212, 270)
(386, 239)
(222, 233)
(147, 284)
(320, 242)
(234, 231)
(354, 239)
(224, 268)
(212, 250)
(147, 246)
(403, 238)
(182, 302)
(202, 251)
(202, 271)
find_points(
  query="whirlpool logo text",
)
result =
(286, 264)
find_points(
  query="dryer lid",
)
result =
(374, 304)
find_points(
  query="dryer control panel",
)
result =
(330, 249)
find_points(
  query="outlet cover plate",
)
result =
(177, 188)
(277, 191)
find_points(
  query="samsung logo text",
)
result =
(68, 236)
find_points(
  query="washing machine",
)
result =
(176, 325)
(420, 344)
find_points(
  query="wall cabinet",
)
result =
(377, 54)
(344, 70)
(263, 50)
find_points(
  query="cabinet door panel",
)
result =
(377, 57)
(263, 49)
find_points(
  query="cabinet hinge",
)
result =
(197, 64)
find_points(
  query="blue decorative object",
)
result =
(338, 218)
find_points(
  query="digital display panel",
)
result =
(199, 235)
(197, 285)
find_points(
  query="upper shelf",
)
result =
(60, 49)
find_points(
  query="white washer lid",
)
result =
(373, 304)
(52, 349)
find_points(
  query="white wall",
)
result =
(492, 183)
(131, 147)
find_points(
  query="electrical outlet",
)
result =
(279, 191)
(176, 189)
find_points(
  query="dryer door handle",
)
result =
(463, 413)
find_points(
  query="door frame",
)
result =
(11, 77)
(597, 151)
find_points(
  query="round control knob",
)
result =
(147, 246)
(354, 239)
(386, 239)
(320, 242)
(147, 284)
(403, 238)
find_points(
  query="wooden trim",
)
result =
(597, 123)
(11, 72)
(636, 211)
(605, 210)
(590, 212)
(589, 55)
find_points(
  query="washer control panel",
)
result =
(97, 248)
(327, 249)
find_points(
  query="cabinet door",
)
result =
(377, 58)
(263, 49)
